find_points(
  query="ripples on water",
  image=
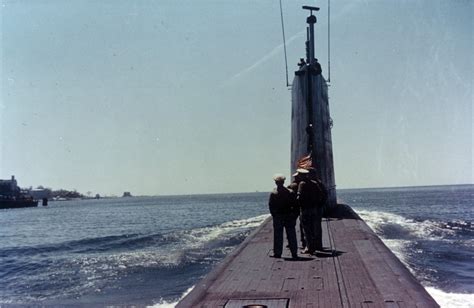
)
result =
(136, 250)
(151, 250)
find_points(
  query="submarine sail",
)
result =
(311, 122)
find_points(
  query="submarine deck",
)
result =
(355, 270)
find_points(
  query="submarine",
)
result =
(355, 269)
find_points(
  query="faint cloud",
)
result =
(264, 59)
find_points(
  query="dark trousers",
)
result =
(289, 224)
(311, 219)
(303, 240)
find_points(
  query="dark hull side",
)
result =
(13, 204)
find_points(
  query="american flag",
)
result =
(305, 162)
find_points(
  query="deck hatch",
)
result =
(258, 303)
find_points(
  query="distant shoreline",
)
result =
(405, 187)
(267, 192)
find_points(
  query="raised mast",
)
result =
(311, 20)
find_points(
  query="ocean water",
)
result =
(153, 250)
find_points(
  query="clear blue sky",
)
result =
(181, 97)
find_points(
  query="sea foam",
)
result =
(451, 300)
(426, 229)
(166, 304)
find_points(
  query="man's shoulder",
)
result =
(274, 192)
(293, 186)
(287, 191)
(283, 191)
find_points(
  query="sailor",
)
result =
(293, 187)
(311, 198)
(284, 211)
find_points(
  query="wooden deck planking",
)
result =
(352, 277)
(359, 285)
(389, 287)
(361, 272)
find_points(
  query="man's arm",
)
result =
(271, 203)
(301, 192)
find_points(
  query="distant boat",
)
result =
(12, 197)
(6, 203)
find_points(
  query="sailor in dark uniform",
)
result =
(293, 187)
(311, 197)
(284, 212)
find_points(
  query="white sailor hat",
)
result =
(279, 177)
(301, 171)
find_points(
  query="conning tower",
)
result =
(310, 119)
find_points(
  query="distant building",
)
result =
(39, 193)
(9, 187)
(127, 194)
(97, 196)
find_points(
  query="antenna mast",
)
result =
(311, 20)
(284, 44)
(329, 41)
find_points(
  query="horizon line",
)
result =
(253, 192)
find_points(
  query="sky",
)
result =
(184, 97)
